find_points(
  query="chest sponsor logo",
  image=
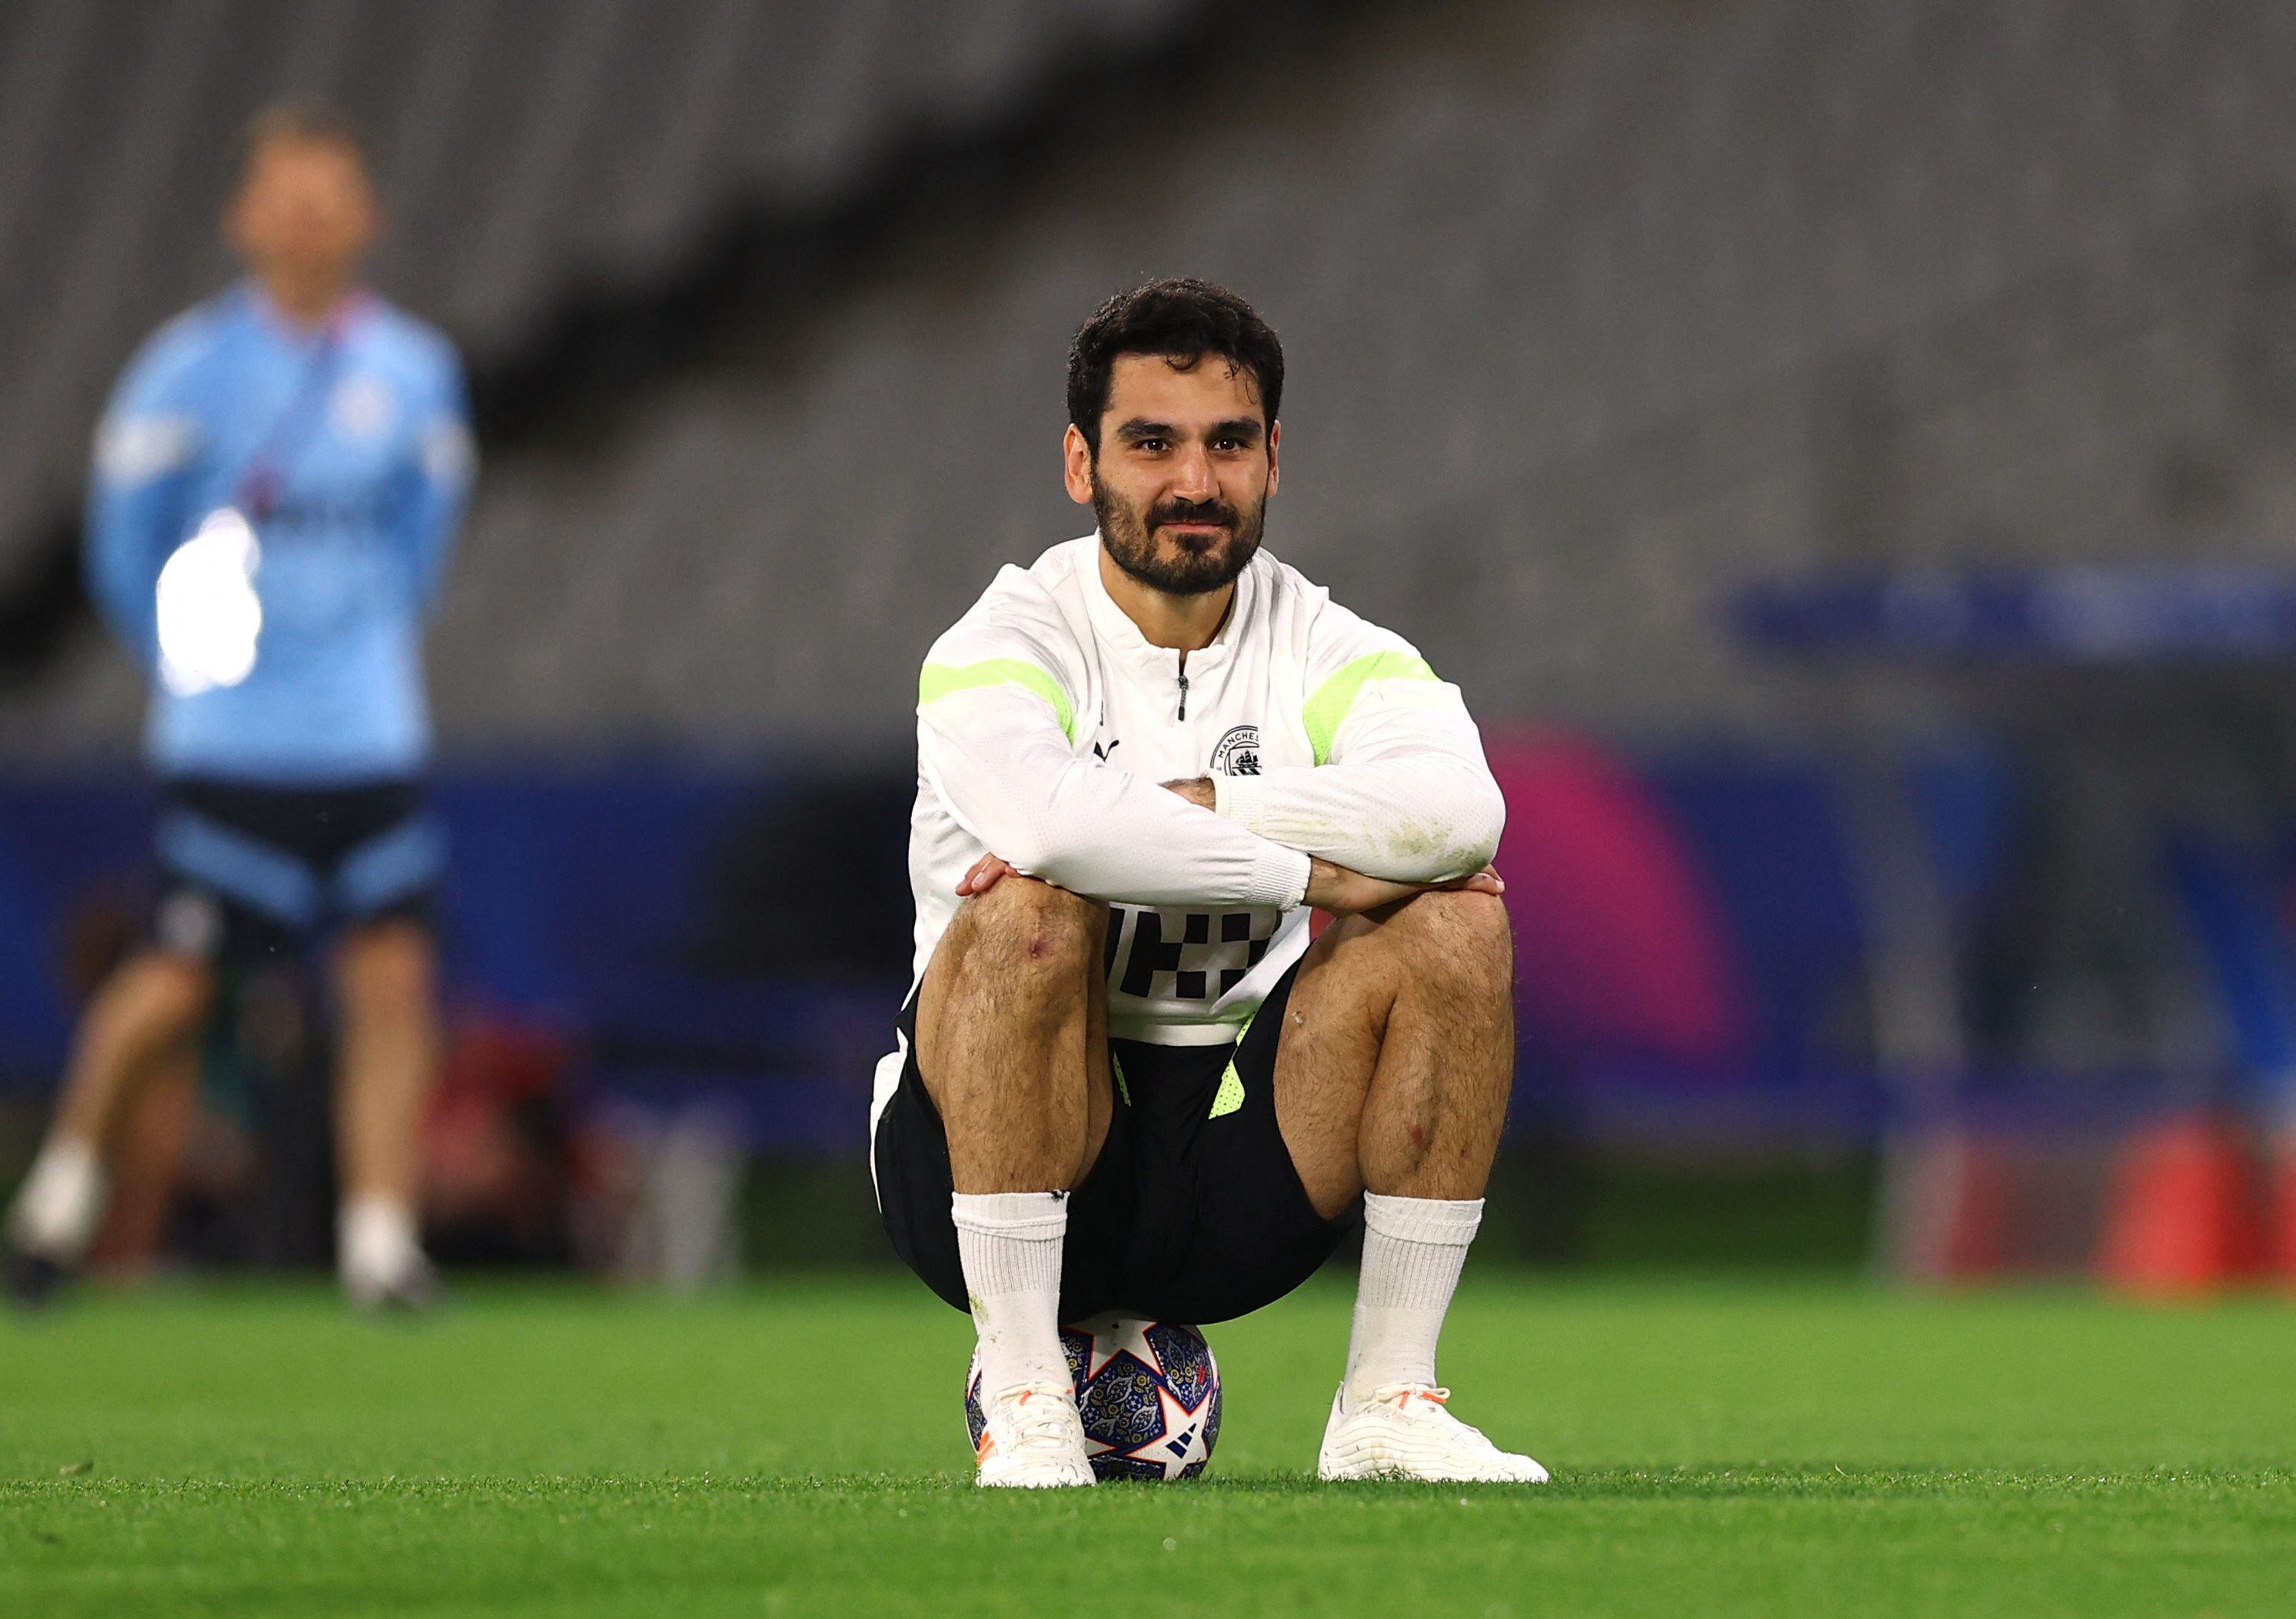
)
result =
(1238, 753)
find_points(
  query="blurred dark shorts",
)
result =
(252, 873)
(1192, 1211)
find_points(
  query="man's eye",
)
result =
(1152, 445)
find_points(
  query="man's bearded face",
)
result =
(1181, 478)
(1181, 547)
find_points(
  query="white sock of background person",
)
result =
(376, 1244)
(62, 1199)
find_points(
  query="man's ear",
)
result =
(1076, 465)
(1274, 438)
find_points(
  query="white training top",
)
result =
(1046, 723)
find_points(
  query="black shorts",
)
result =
(1192, 1211)
(251, 872)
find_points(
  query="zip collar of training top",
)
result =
(1117, 632)
(350, 311)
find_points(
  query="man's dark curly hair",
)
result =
(1181, 320)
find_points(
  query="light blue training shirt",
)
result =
(348, 450)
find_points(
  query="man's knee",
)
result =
(1455, 933)
(1026, 929)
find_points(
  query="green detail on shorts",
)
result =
(1229, 1097)
(1117, 1068)
(1336, 696)
(939, 680)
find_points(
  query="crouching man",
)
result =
(1125, 1078)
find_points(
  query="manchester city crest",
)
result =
(1238, 753)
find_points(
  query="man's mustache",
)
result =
(1192, 511)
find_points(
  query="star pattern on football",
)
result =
(1109, 1340)
(1179, 1448)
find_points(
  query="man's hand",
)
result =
(985, 873)
(1198, 792)
(1345, 893)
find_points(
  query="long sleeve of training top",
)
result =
(1400, 788)
(140, 494)
(434, 485)
(993, 714)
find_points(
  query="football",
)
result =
(1149, 1393)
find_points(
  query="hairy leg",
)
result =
(1397, 1051)
(1012, 1043)
(386, 988)
(144, 1018)
(1393, 1076)
(1012, 1038)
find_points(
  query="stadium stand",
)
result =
(1560, 381)
(1594, 311)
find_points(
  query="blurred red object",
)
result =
(2183, 1217)
(494, 1150)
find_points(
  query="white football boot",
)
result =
(414, 1287)
(1033, 1439)
(1403, 1431)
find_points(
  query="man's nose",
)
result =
(1192, 476)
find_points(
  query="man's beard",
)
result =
(1131, 541)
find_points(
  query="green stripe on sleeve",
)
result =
(1336, 697)
(939, 680)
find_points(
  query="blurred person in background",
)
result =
(278, 481)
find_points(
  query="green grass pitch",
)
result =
(1720, 1447)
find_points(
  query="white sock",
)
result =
(1413, 1248)
(62, 1200)
(1011, 1246)
(375, 1242)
